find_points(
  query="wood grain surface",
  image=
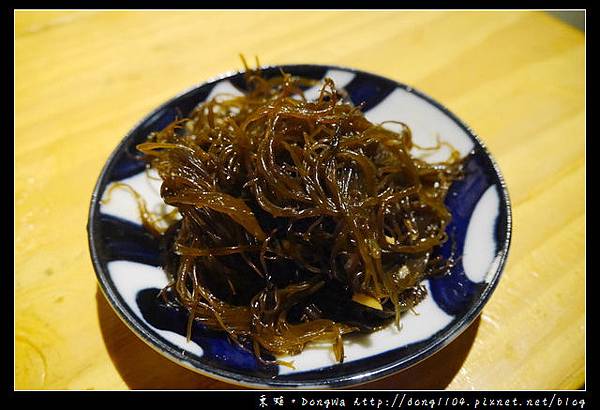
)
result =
(84, 78)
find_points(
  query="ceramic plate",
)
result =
(127, 259)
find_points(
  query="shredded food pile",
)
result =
(301, 221)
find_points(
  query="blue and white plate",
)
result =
(127, 259)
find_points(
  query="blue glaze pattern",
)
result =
(454, 292)
(127, 160)
(364, 92)
(218, 349)
(123, 240)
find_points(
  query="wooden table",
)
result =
(83, 79)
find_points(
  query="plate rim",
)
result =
(350, 379)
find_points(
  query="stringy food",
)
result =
(301, 221)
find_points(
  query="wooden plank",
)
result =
(84, 78)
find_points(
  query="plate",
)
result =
(127, 259)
